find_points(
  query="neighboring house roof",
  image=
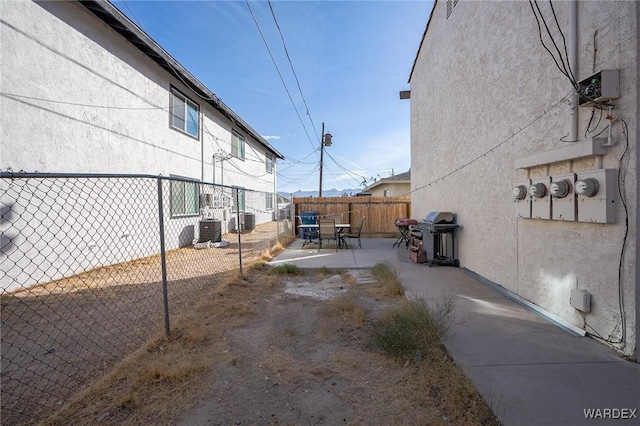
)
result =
(119, 22)
(399, 178)
(424, 35)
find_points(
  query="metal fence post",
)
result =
(238, 230)
(163, 259)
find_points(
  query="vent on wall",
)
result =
(450, 5)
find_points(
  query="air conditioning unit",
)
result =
(233, 222)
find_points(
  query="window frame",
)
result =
(238, 149)
(268, 202)
(180, 205)
(269, 163)
(187, 103)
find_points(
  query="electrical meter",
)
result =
(587, 187)
(538, 190)
(520, 192)
(559, 189)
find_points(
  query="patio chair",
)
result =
(355, 232)
(327, 231)
(311, 236)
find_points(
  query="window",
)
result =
(238, 197)
(268, 163)
(184, 114)
(184, 198)
(237, 145)
(269, 201)
(387, 192)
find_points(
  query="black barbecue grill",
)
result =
(437, 231)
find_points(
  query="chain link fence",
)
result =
(92, 266)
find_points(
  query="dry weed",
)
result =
(389, 284)
(346, 306)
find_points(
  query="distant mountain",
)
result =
(325, 193)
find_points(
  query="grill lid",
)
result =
(405, 221)
(439, 218)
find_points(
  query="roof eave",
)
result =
(424, 34)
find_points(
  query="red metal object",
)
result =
(403, 226)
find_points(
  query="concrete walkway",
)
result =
(528, 370)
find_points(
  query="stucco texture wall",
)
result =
(484, 93)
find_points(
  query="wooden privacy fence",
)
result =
(380, 212)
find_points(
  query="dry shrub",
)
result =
(415, 328)
(278, 247)
(242, 308)
(137, 391)
(323, 272)
(389, 284)
(346, 306)
(443, 383)
(287, 269)
(265, 256)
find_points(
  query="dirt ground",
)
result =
(305, 357)
(295, 362)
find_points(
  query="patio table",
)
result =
(340, 226)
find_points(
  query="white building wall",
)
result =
(484, 93)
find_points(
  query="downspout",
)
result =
(200, 129)
(573, 64)
(275, 206)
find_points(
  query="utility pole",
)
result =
(325, 140)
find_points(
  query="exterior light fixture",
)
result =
(325, 140)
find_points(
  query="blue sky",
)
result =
(351, 58)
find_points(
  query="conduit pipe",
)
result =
(573, 64)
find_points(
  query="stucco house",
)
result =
(393, 186)
(536, 155)
(85, 90)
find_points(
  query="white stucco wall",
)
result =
(484, 93)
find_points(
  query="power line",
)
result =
(294, 163)
(292, 68)
(567, 72)
(348, 172)
(278, 71)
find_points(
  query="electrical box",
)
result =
(563, 197)
(597, 196)
(581, 300)
(206, 200)
(540, 198)
(598, 88)
(521, 199)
